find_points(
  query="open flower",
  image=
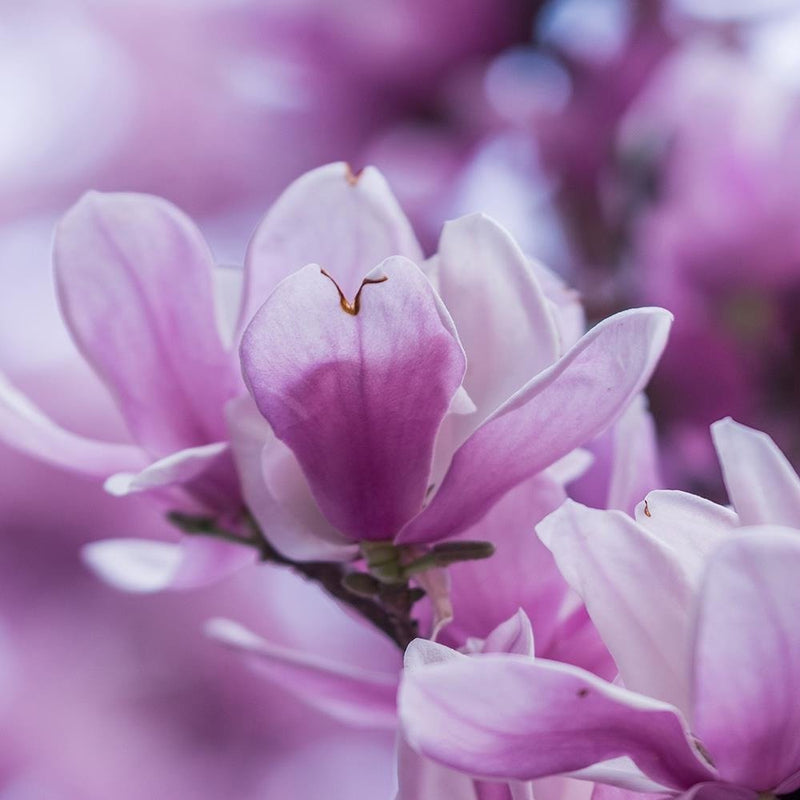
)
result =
(139, 291)
(412, 396)
(697, 610)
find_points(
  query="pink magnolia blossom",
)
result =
(393, 371)
(695, 602)
(718, 244)
(408, 402)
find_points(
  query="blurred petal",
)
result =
(134, 565)
(515, 635)
(502, 316)
(762, 486)
(419, 778)
(135, 286)
(559, 410)
(177, 468)
(355, 696)
(636, 594)
(206, 560)
(635, 469)
(719, 791)
(503, 716)
(145, 566)
(358, 398)
(24, 427)
(344, 222)
(747, 658)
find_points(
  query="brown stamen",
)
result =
(647, 509)
(354, 307)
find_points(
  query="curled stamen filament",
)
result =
(353, 307)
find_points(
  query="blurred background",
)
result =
(648, 150)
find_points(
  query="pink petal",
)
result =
(762, 486)
(520, 574)
(747, 658)
(134, 282)
(718, 790)
(277, 493)
(617, 777)
(356, 696)
(24, 427)
(206, 560)
(134, 565)
(511, 717)
(173, 470)
(146, 566)
(346, 223)
(502, 316)
(559, 410)
(691, 526)
(636, 594)
(515, 635)
(419, 778)
(358, 398)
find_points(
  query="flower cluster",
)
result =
(439, 445)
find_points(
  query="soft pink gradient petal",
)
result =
(360, 697)
(562, 408)
(358, 398)
(344, 222)
(135, 287)
(747, 658)
(501, 313)
(762, 486)
(512, 717)
(24, 427)
(691, 526)
(635, 592)
(291, 520)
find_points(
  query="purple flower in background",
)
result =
(695, 603)
(718, 244)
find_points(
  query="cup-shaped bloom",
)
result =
(366, 385)
(137, 288)
(358, 391)
(698, 613)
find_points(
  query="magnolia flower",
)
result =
(403, 399)
(696, 604)
(371, 412)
